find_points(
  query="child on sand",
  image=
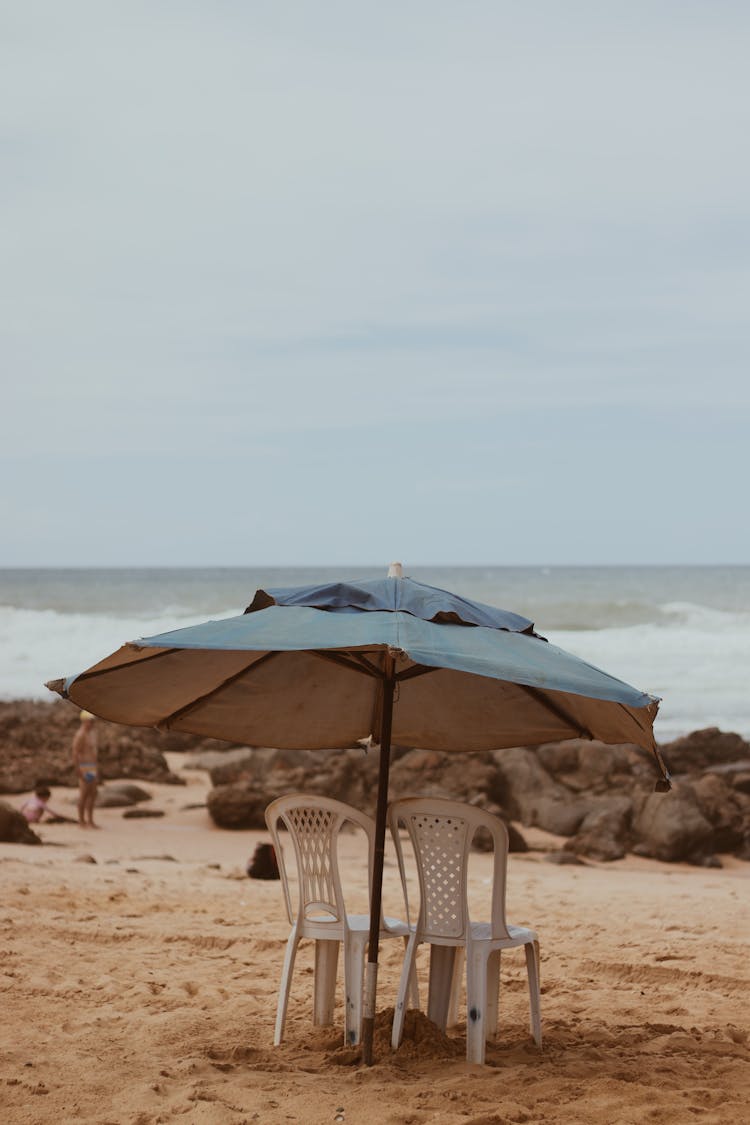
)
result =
(36, 807)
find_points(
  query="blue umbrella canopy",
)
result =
(302, 668)
(322, 666)
(429, 603)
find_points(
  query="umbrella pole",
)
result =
(376, 894)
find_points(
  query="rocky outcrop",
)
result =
(601, 797)
(36, 739)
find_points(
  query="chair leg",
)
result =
(476, 1002)
(493, 994)
(535, 1001)
(326, 960)
(354, 971)
(442, 961)
(284, 986)
(413, 980)
(459, 963)
(408, 973)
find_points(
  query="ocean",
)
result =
(682, 633)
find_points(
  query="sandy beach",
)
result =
(141, 988)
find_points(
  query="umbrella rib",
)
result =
(248, 669)
(666, 781)
(372, 668)
(126, 663)
(415, 670)
(629, 713)
(558, 711)
(359, 665)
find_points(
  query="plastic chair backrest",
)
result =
(441, 833)
(314, 824)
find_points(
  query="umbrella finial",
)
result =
(395, 570)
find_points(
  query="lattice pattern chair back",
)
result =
(441, 833)
(440, 845)
(313, 824)
(314, 833)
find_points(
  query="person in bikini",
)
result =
(85, 760)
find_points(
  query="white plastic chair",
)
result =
(441, 833)
(313, 824)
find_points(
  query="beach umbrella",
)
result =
(393, 660)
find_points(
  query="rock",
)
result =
(107, 798)
(586, 766)
(741, 782)
(559, 757)
(725, 809)
(178, 741)
(263, 865)
(516, 839)
(704, 748)
(459, 777)
(728, 769)
(564, 858)
(84, 859)
(14, 828)
(132, 755)
(238, 806)
(250, 764)
(523, 787)
(736, 773)
(671, 827)
(215, 759)
(556, 814)
(134, 793)
(603, 834)
(136, 814)
(482, 841)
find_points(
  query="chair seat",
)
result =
(360, 923)
(519, 935)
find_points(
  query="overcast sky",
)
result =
(330, 283)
